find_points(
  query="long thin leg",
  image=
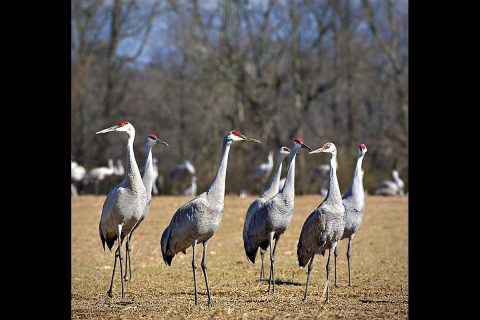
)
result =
(109, 292)
(128, 265)
(271, 280)
(262, 255)
(194, 267)
(204, 269)
(310, 267)
(335, 255)
(120, 257)
(348, 259)
(334, 246)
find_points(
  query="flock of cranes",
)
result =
(267, 218)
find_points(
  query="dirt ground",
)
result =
(379, 268)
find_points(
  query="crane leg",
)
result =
(334, 245)
(204, 269)
(271, 280)
(194, 267)
(120, 257)
(128, 266)
(335, 255)
(262, 255)
(350, 239)
(310, 267)
(109, 292)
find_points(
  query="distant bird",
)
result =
(148, 178)
(243, 194)
(182, 170)
(354, 203)
(77, 174)
(391, 188)
(273, 217)
(263, 170)
(119, 170)
(325, 225)
(192, 190)
(99, 174)
(198, 220)
(125, 204)
(155, 176)
(271, 190)
(321, 172)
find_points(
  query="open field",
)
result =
(379, 268)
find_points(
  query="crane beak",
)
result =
(107, 130)
(250, 139)
(316, 151)
(305, 146)
(161, 142)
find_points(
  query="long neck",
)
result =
(217, 188)
(133, 173)
(356, 189)
(148, 171)
(289, 186)
(333, 195)
(272, 188)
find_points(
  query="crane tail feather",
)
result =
(164, 245)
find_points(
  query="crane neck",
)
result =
(148, 172)
(216, 190)
(289, 186)
(272, 188)
(333, 196)
(356, 189)
(133, 176)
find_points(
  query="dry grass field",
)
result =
(379, 268)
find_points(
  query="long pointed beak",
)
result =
(305, 146)
(161, 142)
(107, 130)
(316, 150)
(250, 139)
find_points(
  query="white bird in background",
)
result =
(354, 203)
(273, 217)
(271, 190)
(148, 178)
(125, 204)
(199, 219)
(391, 188)
(155, 176)
(263, 170)
(77, 174)
(99, 174)
(321, 172)
(119, 170)
(192, 190)
(324, 226)
(182, 170)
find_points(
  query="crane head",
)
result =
(152, 139)
(298, 143)
(362, 148)
(284, 151)
(238, 136)
(124, 126)
(328, 147)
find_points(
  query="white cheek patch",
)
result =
(235, 138)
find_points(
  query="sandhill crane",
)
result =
(271, 190)
(155, 176)
(271, 220)
(77, 174)
(119, 170)
(124, 205)
(148, 178)
(99, 174)
(391, 188)
(321, 172)
(324, 226)
(182, 170)
(262, 171)
(192, 190)
(354, 203)
(198, 220)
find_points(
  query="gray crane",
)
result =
(272, 219)
(391, 188)
(198, 220)
(192, 190)
(324, 226)
(99, 174)
(124, 205)
(321, 172)
(148, 181)
(77, 174)
(262, 171)
(354, 203)
(271, 190)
